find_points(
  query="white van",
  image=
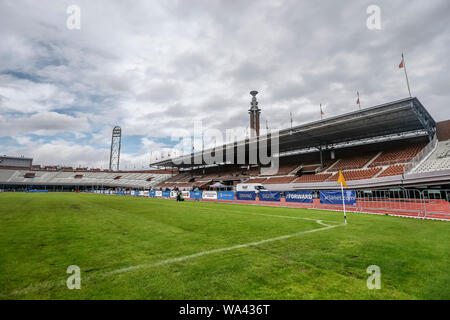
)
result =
(250, 187)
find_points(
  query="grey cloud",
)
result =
(155, 66)
(42, 123)
(160, 92)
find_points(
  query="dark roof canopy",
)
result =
(397, 117)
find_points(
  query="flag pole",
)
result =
(343, 203)
(359, 102)
(406, 75)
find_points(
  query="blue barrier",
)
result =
(195, 195)
(335, 197)
(166, 194)
(299, 196)
(269, 196)
(245, 195)
(37, 191)
(225, 195)
(152, 193)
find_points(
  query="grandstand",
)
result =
(396, 144)
(389, 145)
(56, 178)
(437, 160)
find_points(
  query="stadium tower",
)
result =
(254, 112)
(114, 156)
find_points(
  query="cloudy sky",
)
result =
(152, 67)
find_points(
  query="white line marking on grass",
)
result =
(203, 253)
(48, 285)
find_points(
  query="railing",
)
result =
(402, 202)
(421, 155)
(429, 203)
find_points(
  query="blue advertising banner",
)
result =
(166, 194)
(299, 196)
(335, 197)
(152, 193)
(225, 195)
(136, 193)
(195, 195)
(37, 191)
(245, 195)
(269, 195)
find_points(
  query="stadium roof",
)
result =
(401, 117)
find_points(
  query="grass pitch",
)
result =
(138, 248)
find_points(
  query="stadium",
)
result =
(396, 162)
(224, 159)
(395, 157)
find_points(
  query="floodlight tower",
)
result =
(114, 156)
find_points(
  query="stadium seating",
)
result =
(310, 168)
(279, 180)
(443, 150)
(284, 169)
(392, 170)
(329, 164)
(252, 171)
(309, 178)
(5, 175)
(438, 160)
(354, 162)
(398, 155)
(434, 165)
(43, 177)
(256, 180)
(357, 174)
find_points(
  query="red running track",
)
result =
(414, 208)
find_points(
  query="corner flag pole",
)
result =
(342, 181)
(343, 203)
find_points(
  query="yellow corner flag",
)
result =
(341, 179)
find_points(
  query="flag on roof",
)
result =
(402, 63)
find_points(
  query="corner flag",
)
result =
(341, 179)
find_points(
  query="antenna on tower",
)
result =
(114, 156)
